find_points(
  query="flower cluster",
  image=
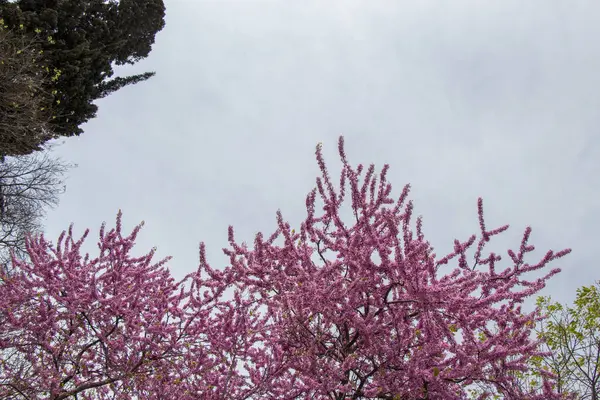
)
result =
(375, 321)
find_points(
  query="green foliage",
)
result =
(83, 40)
(115, 84)
(569, 336)
(572, 336)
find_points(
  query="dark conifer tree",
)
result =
(80, 40)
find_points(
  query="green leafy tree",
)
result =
(570, 339)
(572, 335)
(83, 39)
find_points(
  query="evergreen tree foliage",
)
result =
(82, 40)
(115, 84)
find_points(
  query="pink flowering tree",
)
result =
(72, 327)
(225, 352)
(391, 328)
(374, 321)
(119, 326)
(114, 326)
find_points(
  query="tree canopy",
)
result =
(81, 40)
(572, 334)
(375, 321)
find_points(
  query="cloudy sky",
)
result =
(498, 99)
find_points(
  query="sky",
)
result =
(463, 99)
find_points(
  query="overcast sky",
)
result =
(497, 99)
